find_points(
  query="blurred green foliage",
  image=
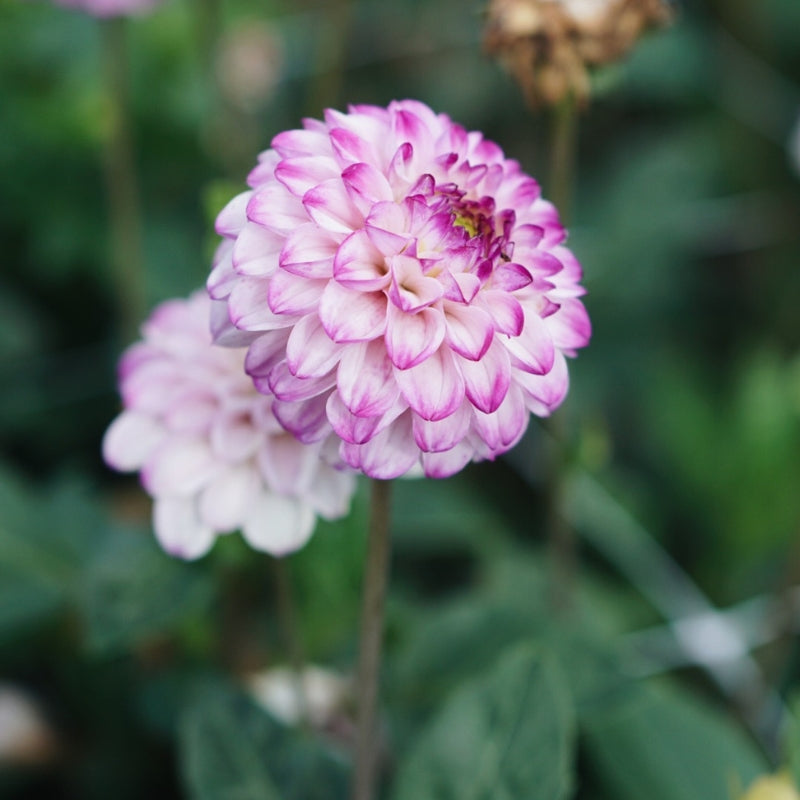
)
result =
(683, 422)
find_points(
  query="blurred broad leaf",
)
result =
(232, 750)
(664, 744)
(135, 591)
(508, 736)
(45, 540)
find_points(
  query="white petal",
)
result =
(278, 525)
(179, 529)
(224, 502)
(130, 439)
(180, 466)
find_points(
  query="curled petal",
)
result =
(274, 207)
(570, 326)
(309, 252)
(290, 388)
(347, 425)
(310, 352)
(287, 465)
(256, 250)
(180, 529)
(305, 419)
(505, 311)
(433, 388)
(470, 330)
(179, 467)
(510, 277)
(329, 205)
(352, 316)
(265, 352)
(503, 428)
(389, 454)
(233, 217)
(302, 173)
(249, 308)
(366, 186)
(412, 338)
(411, 290)
(360, 265)
(365, 381)
(331, 492)
(448, 462)
(444, 434)
(130, 439)
(290, 294)
(533, 349)
(486, 381)
(278, 525)
(224, 502)
(544, 393)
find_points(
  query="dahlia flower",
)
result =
(402, 283)
(110, 8)
(210, 450)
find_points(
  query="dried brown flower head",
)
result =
(548, 45)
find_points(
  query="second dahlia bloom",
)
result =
(210, 450)
(402, 283)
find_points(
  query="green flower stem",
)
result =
(122, 186)
(376, 579)
(561, 539)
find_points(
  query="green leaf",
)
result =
(664, 744)
(225, 746)
(508, 736)
(232, 750)
(135, 591)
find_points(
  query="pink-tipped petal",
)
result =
(486, 381)
(443, 434)
(352, 316)
(412, 338)
(503, 428)
(433, 388)
(293, 295)
(388, 455)
(470, 330)
(309, 252)
(330, 206)
(449, 462)
(274, 207)
(249, 308)
(411, 290)
(310, 352)
(533, 350)
(306, 419)
(365, 380)
(302, 173)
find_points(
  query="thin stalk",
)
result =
(122, 186)
(562, 543)
(376, 579)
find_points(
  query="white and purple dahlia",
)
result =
(210, 450)
(402, 283)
